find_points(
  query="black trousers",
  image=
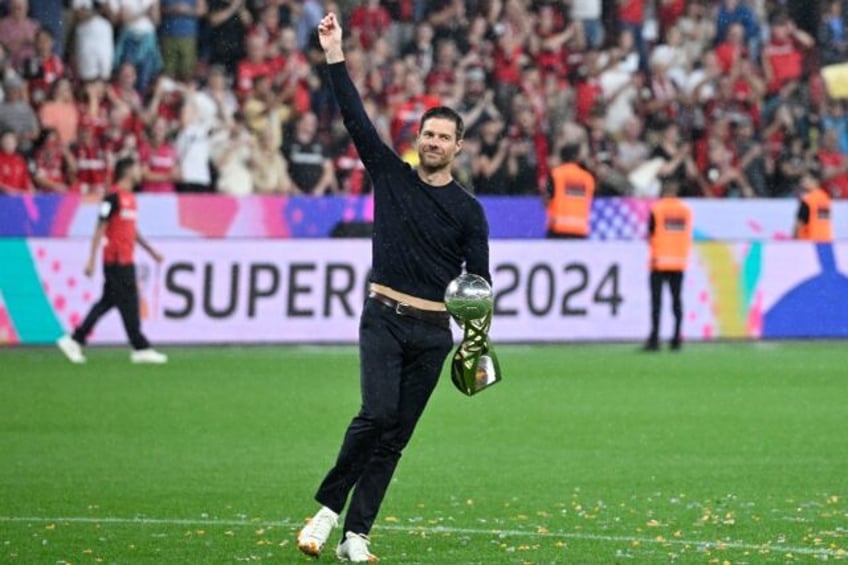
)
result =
(401, 359)
(674, 279)
(119, 289)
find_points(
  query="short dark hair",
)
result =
(570, 152)
(123, 165)
(670, 185)
(444, 113)
(46, 31)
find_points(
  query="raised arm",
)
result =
(373, 152)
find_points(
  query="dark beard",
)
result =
(441, 164)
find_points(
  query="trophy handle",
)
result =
(475, 365)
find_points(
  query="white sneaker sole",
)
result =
(371, 559)
(67, 350)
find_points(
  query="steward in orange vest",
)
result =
(670, 239)
(570, 192)
(813, 220)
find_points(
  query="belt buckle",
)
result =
(401, 308)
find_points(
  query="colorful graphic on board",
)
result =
(280, 217)
(311, 291)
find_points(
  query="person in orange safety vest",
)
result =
(813, 222)
(670, 240)
(569, 197)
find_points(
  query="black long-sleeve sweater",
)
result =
(422, 233)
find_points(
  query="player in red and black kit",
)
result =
(117, 223)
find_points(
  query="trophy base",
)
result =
(471, 376)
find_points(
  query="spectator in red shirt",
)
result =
(509, 56)
(783, 55)
(14, 173)
(169, 97)
(91, 164)
(117, 139)
(723, 178)
(549, 44)
(533, 89)
(737, 95)
(291, 74)
(159, 166)
(94, 111)
(44, 68)
(730, 51)
(834, 165)
(122, 89)
(50, 163)
(668, 13)
(121, 93)
(589, 93)
(252, 66)
(350, 171)
(445, 76)
(368, 21)
(405, 117)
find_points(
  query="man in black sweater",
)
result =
(426, 226)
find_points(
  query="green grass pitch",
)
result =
(724, 453)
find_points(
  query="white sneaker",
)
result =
(71, 348)
(354, 548)
(313, 536)
(148, 356)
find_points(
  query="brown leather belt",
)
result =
(404, 309)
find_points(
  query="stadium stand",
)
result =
(203, 90)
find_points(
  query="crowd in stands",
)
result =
(228, 96)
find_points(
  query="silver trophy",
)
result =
(475, 366)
